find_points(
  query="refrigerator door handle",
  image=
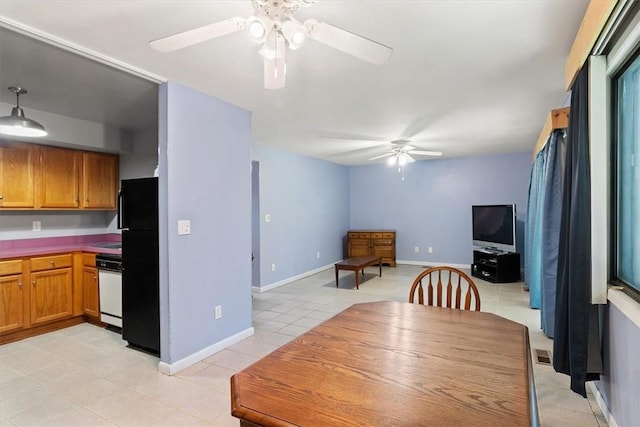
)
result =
(121, 219)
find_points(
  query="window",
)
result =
(625, 267)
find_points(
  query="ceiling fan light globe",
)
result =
(256, 30)
(402, 160)
(259, 28)
(267, 52)
(298, 37)
(294, 32)
(392, 161)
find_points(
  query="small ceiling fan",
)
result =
(400, 153)
(275, 28)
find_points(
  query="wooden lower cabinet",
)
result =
(90, 289)
(380, 243)
(51, 295)
(37, 295)
(11, 303)
(90, 294)
(12, 295)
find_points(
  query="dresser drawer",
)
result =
(10, 267)
(359, 242)
(388, 235)
(383, 242)
(357, 235)
(51, 261)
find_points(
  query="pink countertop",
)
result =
(51, 245)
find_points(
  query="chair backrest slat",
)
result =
(428, 274)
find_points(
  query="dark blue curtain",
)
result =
(576, 319)
(551, 214)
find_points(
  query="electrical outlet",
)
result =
(37, 226)
(184, 227)
(267, 218)
(416, 249)
(318, 254)
(218, 312)
(430, 250)
(273, 267)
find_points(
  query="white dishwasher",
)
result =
(110, 283)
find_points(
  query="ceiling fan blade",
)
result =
(274, 73)
(198, 35)
(426, 153)
(382, 156)
(348, 42)
(409, 158)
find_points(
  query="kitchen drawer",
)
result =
(89, 260)
(10, 267)
(50, 262)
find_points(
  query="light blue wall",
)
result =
(432, 206)
(308, 201)
(205, 177)
(620, 385)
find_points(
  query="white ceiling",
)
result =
(466, 77)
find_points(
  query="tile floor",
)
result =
(85, 375)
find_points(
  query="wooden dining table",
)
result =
(394, 364)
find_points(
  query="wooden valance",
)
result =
(557, 119)
(594, 20)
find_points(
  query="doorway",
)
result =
(255, 223)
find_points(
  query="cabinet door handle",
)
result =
(20, 284)
(87, 200)
(33, 282)
(1, 197)
(53, 263)
(95, 277)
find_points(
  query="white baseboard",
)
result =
(602, 404)
(319, 269)
(291, 279)
(172, 368)
(435, 263)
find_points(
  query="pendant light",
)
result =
(17, 124)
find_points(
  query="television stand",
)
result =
(496, 267)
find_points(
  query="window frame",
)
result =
(614, 280)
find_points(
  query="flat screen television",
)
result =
(494, 227)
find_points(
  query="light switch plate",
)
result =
(184, 227)
(267, 218)
(37, 226)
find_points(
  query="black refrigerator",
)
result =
(138, 220)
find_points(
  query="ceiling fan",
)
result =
(274, 27)
(400, 153)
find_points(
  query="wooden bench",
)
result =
(357, 264)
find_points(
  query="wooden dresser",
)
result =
(380, 243)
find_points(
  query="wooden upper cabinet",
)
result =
(17, 176)
(99, 180)
(43, 177)
(58, 184)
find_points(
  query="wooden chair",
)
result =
(432, 278)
